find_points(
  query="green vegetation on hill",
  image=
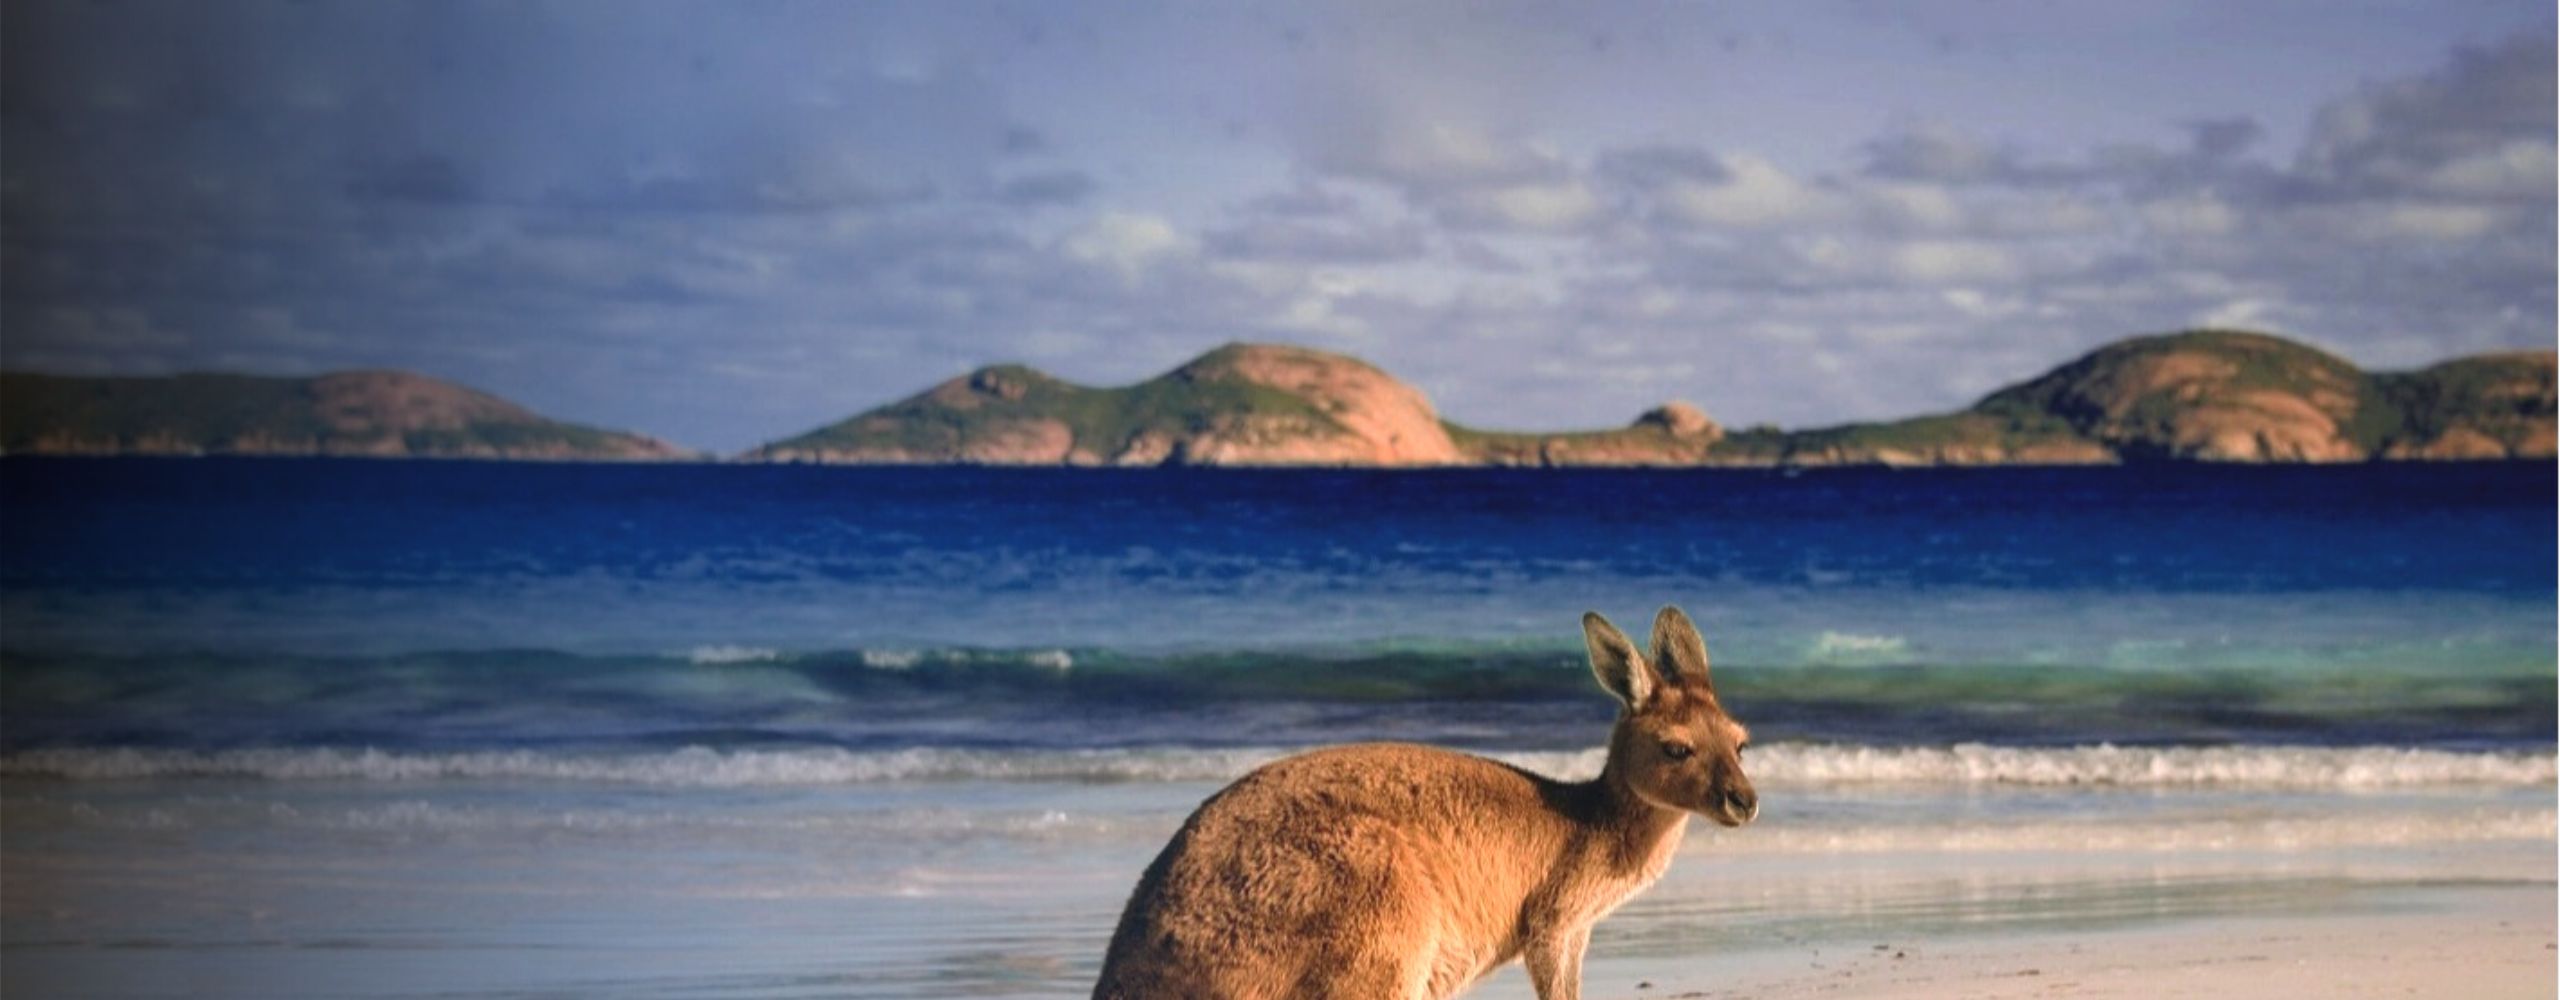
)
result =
(388, 414)
(991, 406)
(2078, 391)
(546, 439)
(127, 410)
(1640, 444)
(2504, 397)
(1942, 438)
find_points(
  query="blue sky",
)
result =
(727, 223)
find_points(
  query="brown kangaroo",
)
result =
(1408, 872)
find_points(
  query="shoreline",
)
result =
(1738, 465)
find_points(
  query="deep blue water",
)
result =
(327, 603)
(2482, 528)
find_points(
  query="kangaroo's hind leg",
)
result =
(1392, 955)
(1369, 976)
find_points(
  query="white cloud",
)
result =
(1461, 173)
(1125, 242)
(2493, 103)
(1656, 302)
(1937, 262)
(2241, 314)
(1054, 343)
(1974, 303)
(1754, 194)
(1918, 206)
(2433, 223)
(1547, 207)
(1443, 150)
(1261, 277)
(1315, 315)
(2519, 169)
(1934, 152)
(2189, 215)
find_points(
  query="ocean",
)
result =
(355, 728)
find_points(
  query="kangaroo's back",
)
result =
(1288, 883)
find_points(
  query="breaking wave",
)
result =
(1859, 689)
(2244, 767)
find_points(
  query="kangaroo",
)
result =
(1408, 872)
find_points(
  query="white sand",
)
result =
(2477, 943)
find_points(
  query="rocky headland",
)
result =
(1243, 404)
(375, 414)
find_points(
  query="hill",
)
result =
(2206, 395)
(1242, 404)
(2221, 396)
(2235, 396)
(386, 414)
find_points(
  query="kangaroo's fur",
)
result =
(1408, 872)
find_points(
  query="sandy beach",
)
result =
(2383, 908)
(2496, 943)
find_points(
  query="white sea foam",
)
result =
(1053, 659)
(2108, 832)
(692, 766)
(2254, 767)
(1832, 647)
(718, 655)
(1776, 766)
(891, 659)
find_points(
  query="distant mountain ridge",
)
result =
(382, 414)
(2203, 395)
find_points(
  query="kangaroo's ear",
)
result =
(1677, 648)
(1615, 661)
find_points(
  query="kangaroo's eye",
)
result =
(1677, 751)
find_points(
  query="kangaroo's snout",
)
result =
(1736, 807)
(1746, 802)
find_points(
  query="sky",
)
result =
(728, 223)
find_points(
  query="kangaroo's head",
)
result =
(1673, 744)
